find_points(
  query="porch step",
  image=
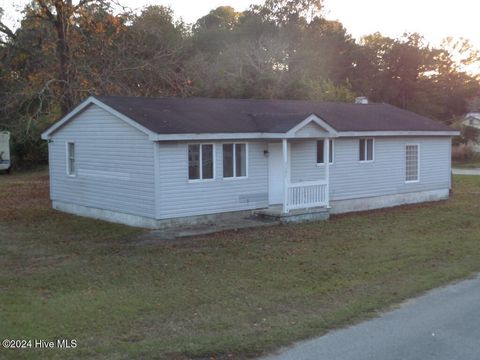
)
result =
(294, 216)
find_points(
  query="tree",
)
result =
(221, 18)
(26, 60)
(65, 50)
(284, 12)
(389, 69)
(214, 31)
(153, 51)
(474, 103)
(59, 14)
(409, 73)
(462, 53)
(5, 31)
(248, 68)
(324, 51)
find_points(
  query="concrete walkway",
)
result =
(457, 171)
(444, 324)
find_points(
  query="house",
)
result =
(155, 161)
(472, 119)
(5, 162)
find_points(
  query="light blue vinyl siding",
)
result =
(303, 162)
(178, 197)
(350, 179)
(114, 164)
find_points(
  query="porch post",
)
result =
(327, 170)
(285, 174)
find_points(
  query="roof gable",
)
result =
(312, 126)
(470, 120)
(81, 107)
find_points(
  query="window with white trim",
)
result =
(321, 151)
(234, 160)
(365, 150)
(412, 162)
(71, 169)
(200, 161)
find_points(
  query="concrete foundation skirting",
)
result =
(378, 202)
(202, 219)
(107, 215)
(142, 221)
(337, 207)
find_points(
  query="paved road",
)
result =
(466, 171)
(444, 324)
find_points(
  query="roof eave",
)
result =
(227, 136)
(399, 133)
(288, 135)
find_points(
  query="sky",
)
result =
(435, 19)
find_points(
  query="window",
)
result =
(71, 170)
(365, 150)
(321, 151)
(200, 162)
(234, 160)
(412, 162)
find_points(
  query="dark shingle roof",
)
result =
(205, 115)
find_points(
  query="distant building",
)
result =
(473, 119)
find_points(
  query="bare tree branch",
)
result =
(6, 30)
(45, 8)
(81, 4)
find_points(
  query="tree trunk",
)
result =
(63, 52)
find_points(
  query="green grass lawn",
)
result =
(230, 295)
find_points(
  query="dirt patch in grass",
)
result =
(230, 295)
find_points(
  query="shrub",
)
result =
(468, 134)
(462, 152)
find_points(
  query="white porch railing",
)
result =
(306, 194)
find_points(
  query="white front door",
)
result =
(275, 174)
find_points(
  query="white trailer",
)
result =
(5, 162)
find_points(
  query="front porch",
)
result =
(290, 197)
